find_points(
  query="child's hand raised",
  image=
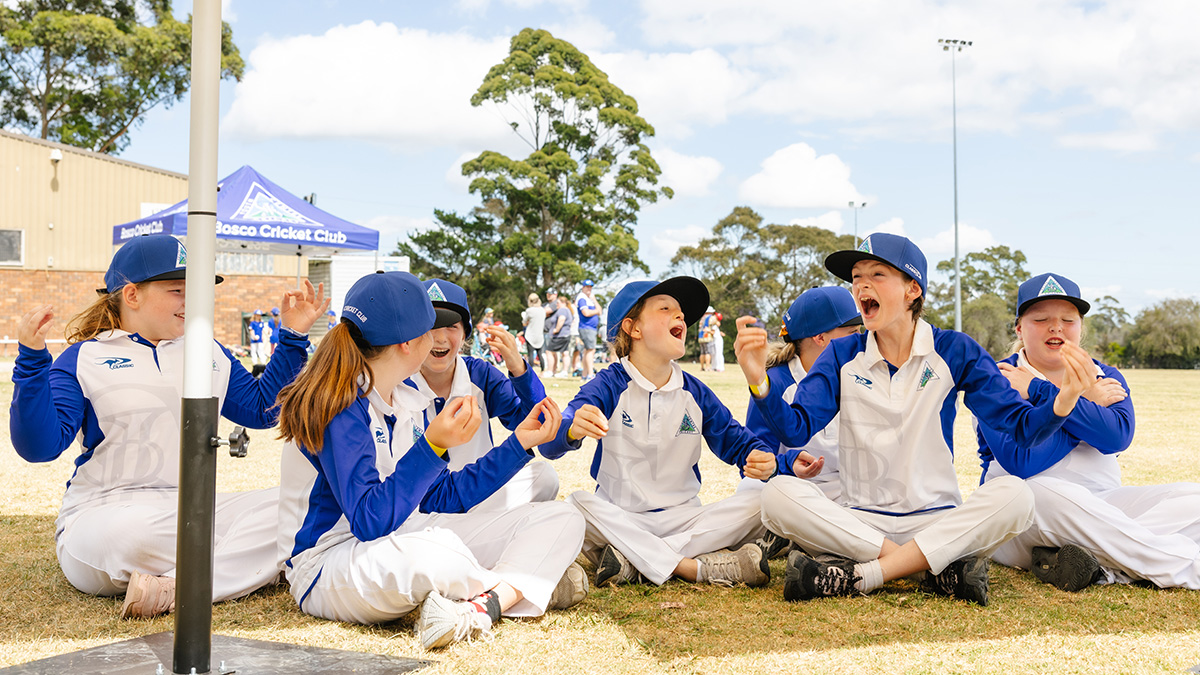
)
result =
(456, 424)
(33, 327)
(540, 425)
(589, 423)
(759, 465)
(807, 466)
(1105, 392)
(751, 349)
(500, 340)
(1019, 378)
(1079, 375)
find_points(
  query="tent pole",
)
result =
(298, 249)
(198, 460)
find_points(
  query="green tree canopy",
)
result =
(86, 72)
(1107, 328)
(760, 269)
(1166, 335)
(567, 210)
(990, 279)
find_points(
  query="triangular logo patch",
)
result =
(417, 433)
(865, 246)
(926, 376)
(260, 204)
(687, 426)
(181, 257)
(436, 294)
(1051, 287)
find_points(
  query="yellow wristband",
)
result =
(571, 436)
(760, 390)
(441, 452)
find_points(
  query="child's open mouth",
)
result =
(1054, 343)
(869, 306)
(677, 332)
(439, 353)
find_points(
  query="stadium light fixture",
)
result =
(955, 46)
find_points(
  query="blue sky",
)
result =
(1078, 122)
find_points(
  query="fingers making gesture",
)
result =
(501, 341)
(1078, 377)
(34, 325)
(456, 424)
(540, 425)
(750, 346)
(300, 308)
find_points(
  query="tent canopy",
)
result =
(257, 216)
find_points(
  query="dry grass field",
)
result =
(1028, 627)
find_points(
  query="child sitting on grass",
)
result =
(645, 518)
(896, 387)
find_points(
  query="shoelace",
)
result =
(833, 580)
(722, 569)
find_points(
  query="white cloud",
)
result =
(403, 87)
(1093, 292)
(1168, 293)
(227, 13)
(831, 221)
(892, 226)
(454, 174)
(664, 244)
(795, 177)
(1114, 140)
(587, 33)
(688, 176)
(941, 245)
(393, 228)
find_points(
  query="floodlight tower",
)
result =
(856, 206)
(954, 46)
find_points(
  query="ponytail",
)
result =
(101, 316)
(782, 352)
(327, 386)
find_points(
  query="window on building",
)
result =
(12, 247)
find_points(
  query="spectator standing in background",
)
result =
(705, 334)
(718, 342)
(559, 336)
(273, 324)
(259, 339)
(589, 323)
(534, 320)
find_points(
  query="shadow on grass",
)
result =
(680, 619)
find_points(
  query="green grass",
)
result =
(679, 627)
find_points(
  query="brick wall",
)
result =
(72, 292)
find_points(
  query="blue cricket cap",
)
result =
(691, 293)
(587, 282)
(389, 308)
(1049, 286)
(818, 310)
(150, 257)
(893, 249)
(450, 302)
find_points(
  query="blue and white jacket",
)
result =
(257, 329)
(1084, 451)
(824, 443)
(120, 395)
(896, 429)
(374, 471)
(508, 398)
(650, 458)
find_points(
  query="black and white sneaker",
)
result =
(614, 568)
(965, 579)
(773, 545)
(807, 579)
(1070, 568)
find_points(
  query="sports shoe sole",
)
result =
(1072, 569)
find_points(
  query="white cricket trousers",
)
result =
(99, 548)
(458, 555)
(656, 541)
(1146, 532)
(831, 486)
(259, 354)
(535, 482)
(996, 512)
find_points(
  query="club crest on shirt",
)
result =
(380, 436)
(687, 426)
(115, 362)
(417, 433)
(861, 380)
(626, 420)
(926, 376)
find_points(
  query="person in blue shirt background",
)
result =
(259, 339)
(372, 523)
(589, 322)
(273, 324)
(1087, 527)
(896, 388)
(645, 519)
(117, 389)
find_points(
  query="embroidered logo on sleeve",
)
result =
(626, 420)
(926, 376)
(687, 426)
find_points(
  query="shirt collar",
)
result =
(922, 344)
(460, 384)
(676, 381)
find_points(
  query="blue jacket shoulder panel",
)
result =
(603, 392)
(818, 395)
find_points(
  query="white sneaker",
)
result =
(747, 565)
(444, 621)
(572, 588)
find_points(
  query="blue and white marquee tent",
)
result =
(256, 215)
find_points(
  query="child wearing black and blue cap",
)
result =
(894, 391)
(117, 388)
(1088, 527)
(645, 519)
(373, 523)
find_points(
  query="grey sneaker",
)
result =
(773, 545)
(444, 621)
(807, 579)
(747, 565)
(1070, 568)
(965, 579)
(148, 596)
(614, 568)
(572, 588)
